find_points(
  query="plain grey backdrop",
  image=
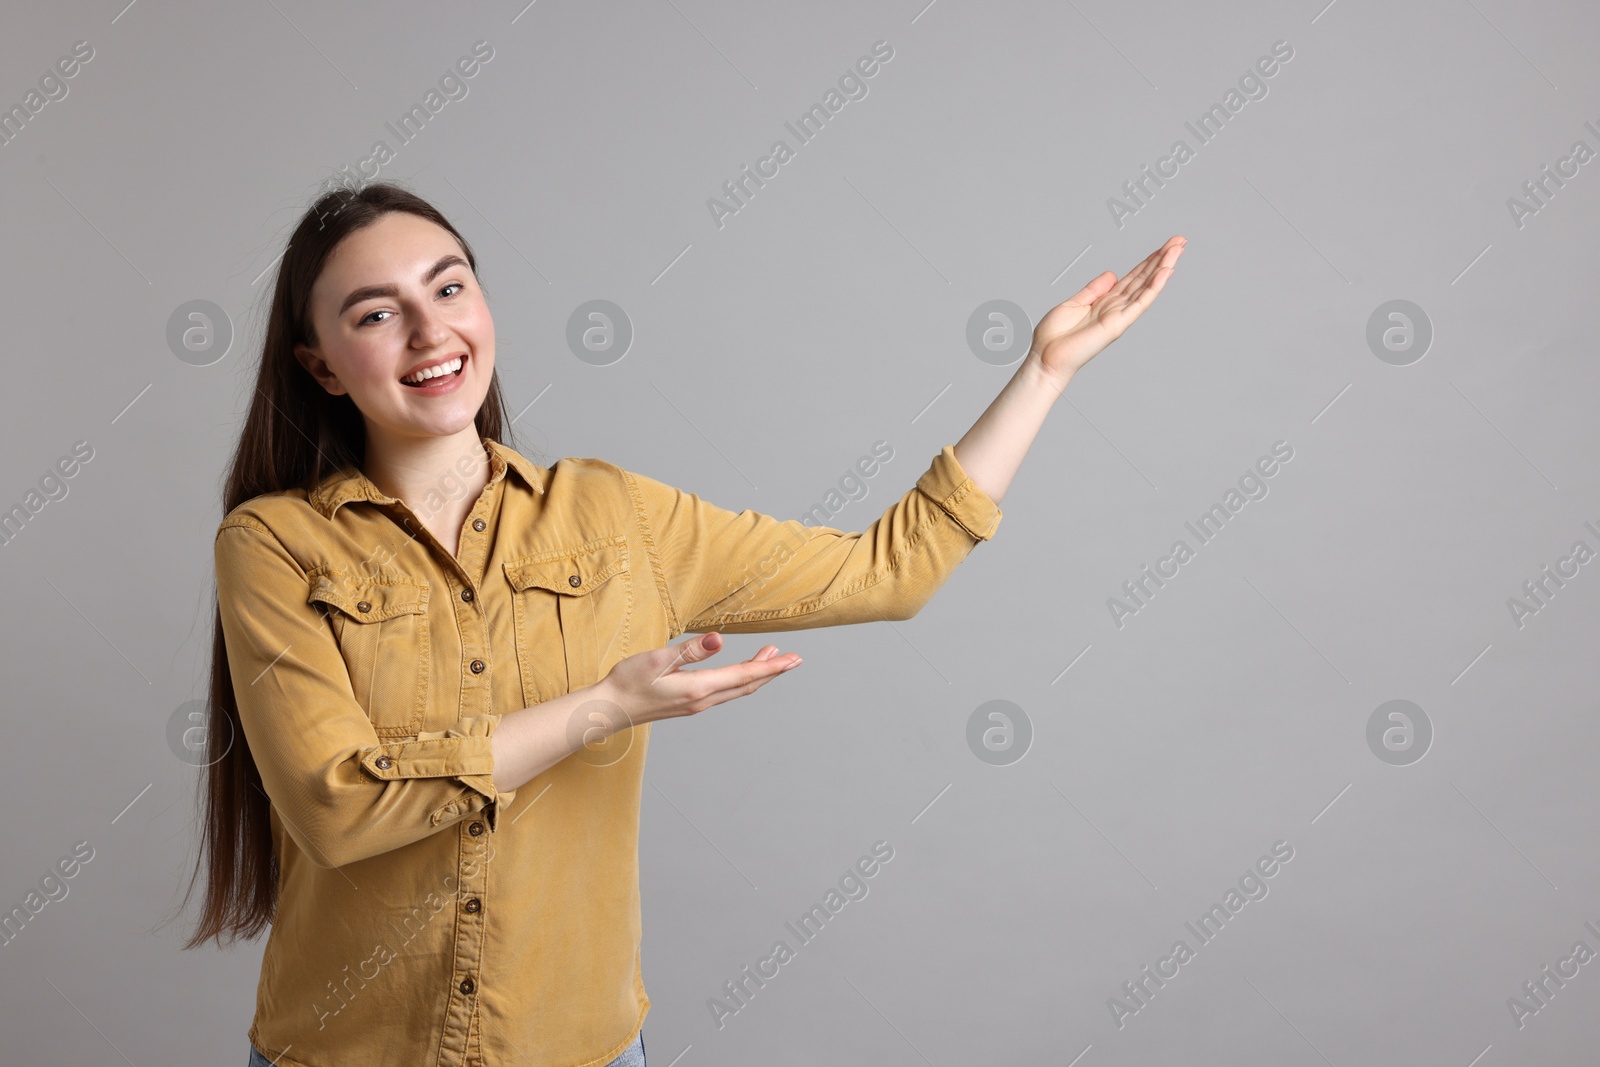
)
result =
(1435, 153)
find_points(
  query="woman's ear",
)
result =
(318, 368)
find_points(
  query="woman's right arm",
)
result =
(343, 794)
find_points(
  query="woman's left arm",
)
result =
(1066, 338)
(746, 572)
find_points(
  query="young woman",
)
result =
(436, 663)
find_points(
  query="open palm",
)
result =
(1073, 331)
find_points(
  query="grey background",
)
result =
(1229, 714)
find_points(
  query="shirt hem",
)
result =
(253, 1035)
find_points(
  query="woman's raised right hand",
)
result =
(653, 685)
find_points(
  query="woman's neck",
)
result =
(438, 478)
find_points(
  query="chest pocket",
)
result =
(382, 627)
(570, 607)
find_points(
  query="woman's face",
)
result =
(395, 297)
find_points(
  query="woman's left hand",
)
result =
(1073, 331)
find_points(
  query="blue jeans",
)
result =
(632, 1056)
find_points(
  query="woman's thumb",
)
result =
(699, 648)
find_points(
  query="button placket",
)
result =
(476, 650)
(467, 963)
(465, 573)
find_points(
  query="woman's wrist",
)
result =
(1034, 378)
(992, 450)
(529, 741)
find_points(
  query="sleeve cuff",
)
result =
(949, 486)
(462, 752)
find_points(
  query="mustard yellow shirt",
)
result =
(424, 916)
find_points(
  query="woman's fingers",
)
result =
(734, 675)
(652, 686)
(1144, 268)
(719, 683)
(694, 650)
(1147, 293)
(1137, 274)
(1155, 277)
(739, 688)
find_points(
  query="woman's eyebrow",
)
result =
(373, 291)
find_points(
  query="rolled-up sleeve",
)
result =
(342, 794)
(745, 572)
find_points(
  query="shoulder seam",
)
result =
(245, 521)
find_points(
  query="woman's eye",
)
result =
(365, 320)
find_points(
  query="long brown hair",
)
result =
(296, 433)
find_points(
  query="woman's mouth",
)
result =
(443, 377)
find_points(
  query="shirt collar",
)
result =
(350, 483)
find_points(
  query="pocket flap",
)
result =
(366, 599)
(572, 571)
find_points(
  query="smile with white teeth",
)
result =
(438, 370)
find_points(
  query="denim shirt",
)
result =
(425, 916)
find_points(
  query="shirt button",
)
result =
(574, 581)
(363, 606)
(466, 594)
(479, 525)
(477, 666)
(474, 905)
(475, 829)
(468, 985)
(383, 763)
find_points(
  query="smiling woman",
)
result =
(445, 618)
(425, 642)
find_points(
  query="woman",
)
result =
(436, 663)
